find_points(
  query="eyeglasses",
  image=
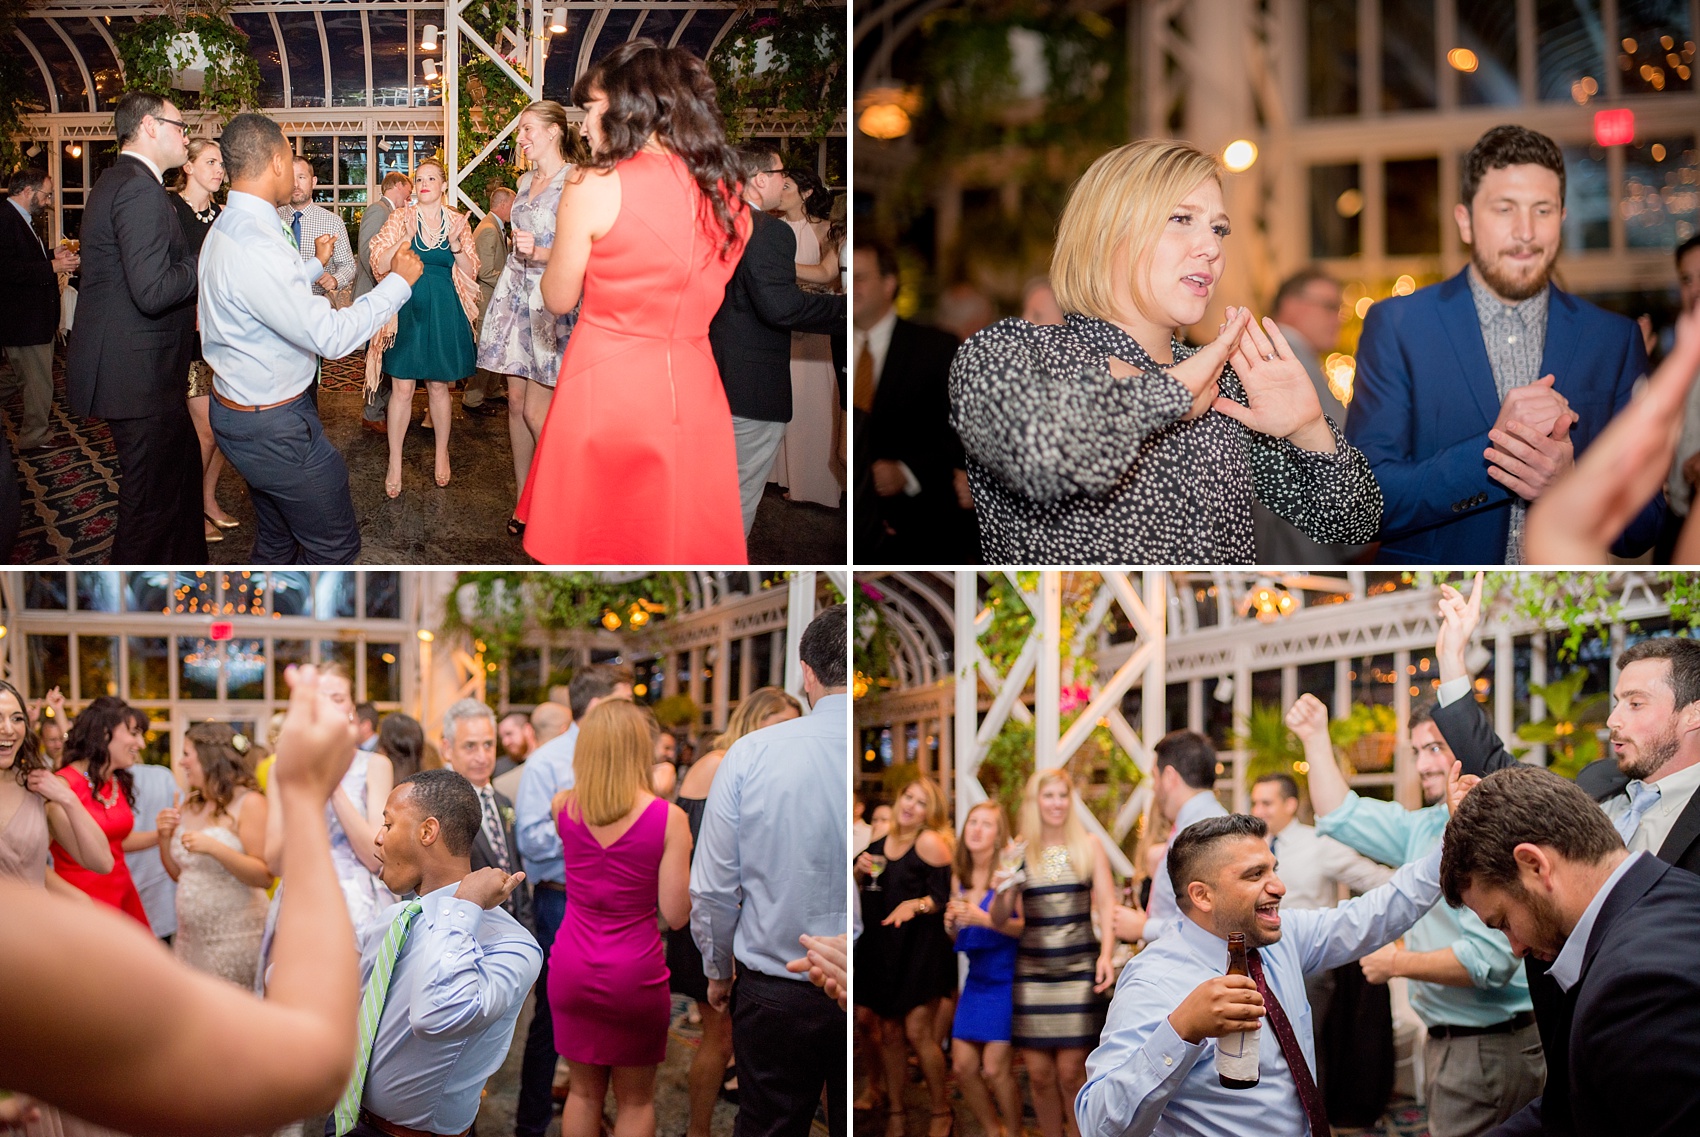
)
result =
(183, 126)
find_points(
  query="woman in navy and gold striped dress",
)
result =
(1063, 972)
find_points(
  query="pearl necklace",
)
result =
(440, 238)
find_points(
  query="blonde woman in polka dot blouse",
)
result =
(1108, 439)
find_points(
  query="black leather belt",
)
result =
(551, 885)
(1510, 1026)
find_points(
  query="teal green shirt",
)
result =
(1388, 832)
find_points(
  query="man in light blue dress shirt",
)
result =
(547, 772)
(263, 332)
(1154, 1069)
(156, 789)
(1482, 1058)
(1184, 766)
(771, 866)
(463, 971)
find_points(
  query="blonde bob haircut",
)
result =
(616, 746)
(1079, 842)
(758, 705)
(1115, 214)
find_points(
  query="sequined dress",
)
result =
(1055, 1005)
(220, 920)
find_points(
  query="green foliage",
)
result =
(1271, 747)
(14, 90)
(677, 710)
(897, 778)
(1568, 730)
(151, 60)
(1009, 764)
(875, 643)
(1364, 718)
(806, 75)
(489, 100)
(506, 605)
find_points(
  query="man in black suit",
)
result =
(128, 359)
(1532, 855)
(469, 748)
(751, 334)
(913, 504)
(29, 296)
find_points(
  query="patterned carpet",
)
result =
(70, 491)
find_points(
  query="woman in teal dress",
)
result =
(430, 341)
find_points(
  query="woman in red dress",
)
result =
(100, 750)
(636, 463)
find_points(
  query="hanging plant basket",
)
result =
(199, 61)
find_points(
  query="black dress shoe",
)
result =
(483, 410)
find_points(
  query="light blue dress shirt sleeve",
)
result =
(1383, 831)
(467, 986)
(546, 773)
(1139, 1066)
(1328, 937)
(1484, 953)
(716, 895)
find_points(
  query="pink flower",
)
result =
(1074, 697)
(873, 593)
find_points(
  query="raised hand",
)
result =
(1579, 517)
(488, 887)
(1308, 719)
(407, 265)
(167, 823)
(56, 703)
(1280, 398)
(1199, 372)
(317, 742)
(1458, 621)
(323, 246)
(1458, 786)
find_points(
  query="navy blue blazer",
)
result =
(1630, 1042)
(1424, 401)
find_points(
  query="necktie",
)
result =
(1309, 1097)
(371, 1010)
(295, 230)
(863, 393)
(1642, 797)
(493, 827)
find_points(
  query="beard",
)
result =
(1649, 758)
(1509, 285)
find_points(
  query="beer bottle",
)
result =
(1236, 1054)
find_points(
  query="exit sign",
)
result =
(1614, 128)
(222, 630)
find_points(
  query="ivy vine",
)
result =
(506, 605)
(152, 58)
(15, 97)
(805, 73)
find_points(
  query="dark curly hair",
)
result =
(223, 768)
(90, 739)
(817, 199)
(30, 755)
(666, 92)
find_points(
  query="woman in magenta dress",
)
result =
(625, 851)
(99, 752)
(636, 463)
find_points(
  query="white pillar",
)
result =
(1047, 686)
(799, 611)
(968, 788)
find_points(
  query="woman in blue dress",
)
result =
(430, 340)
(980, 1036)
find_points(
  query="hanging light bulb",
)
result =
(428, 39)
(558, 22)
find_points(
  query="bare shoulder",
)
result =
(592, 179)
(933, 847)
(700, 776)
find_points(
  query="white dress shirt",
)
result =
(1313, 868)
(1145, 1079)
(262, 329)
(1162, 911)
(455, 994)
(770, 862)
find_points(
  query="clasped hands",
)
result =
(1280, 400)
(1531, 439)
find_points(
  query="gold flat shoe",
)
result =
(229, 524)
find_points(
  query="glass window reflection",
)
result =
(1489, 32)
(150, 667)
(245, 669)
(1661, 199)
(97, 666)
(98, 592)
(197, 668)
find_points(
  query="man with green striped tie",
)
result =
(443, 976)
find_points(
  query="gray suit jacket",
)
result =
(370, 222)
(491, 241)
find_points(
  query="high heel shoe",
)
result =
(516, 527)
(214, 537)
(222, 523)
(392, 490)
(950, 1131)
(442, 479)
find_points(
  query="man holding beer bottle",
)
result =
(1179, 1004)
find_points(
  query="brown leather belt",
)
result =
(551, 885)
(395, 1130)
(235, 406)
